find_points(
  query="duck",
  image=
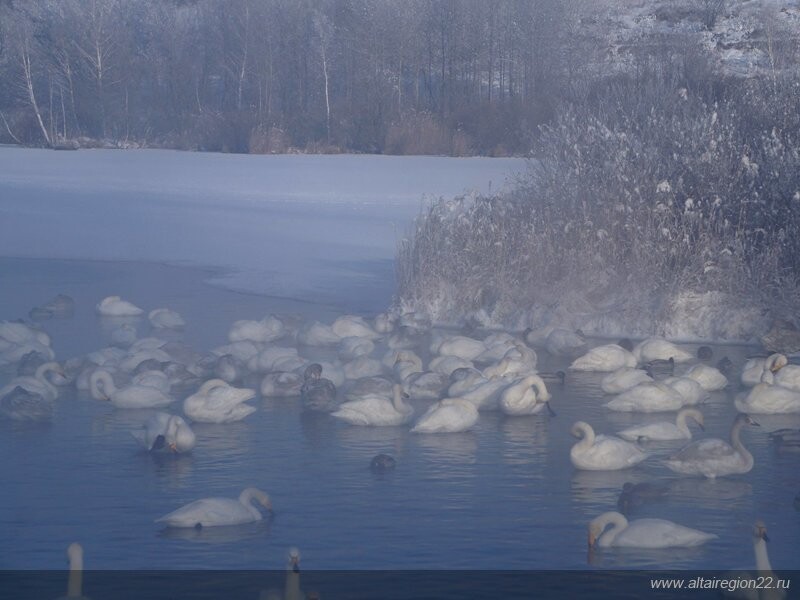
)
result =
(353, 326)
(526, 396)
(647, 397)
(102, 387)
(451, 415)
(282, 384)
(38, 383)
(713, 457)
(164, 318)
(624, 379)
(602, 452)
(710, 378)
(564, 342)
(216, 512)
(62, 306)
(635, 495)
(376, 410)
(114, 306)
(219, 402)
(664, 430)
(769, 399)
(19, 404)
(264, 331)
(643, 533)
(163, 431)
(317, 392)
(607, 358)
(381, 463)
(660, 349)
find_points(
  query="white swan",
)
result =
(38, 383)
(689, 389)
(643, 533)
(102, 387)
(75, 581)
(565, 342)
(624, 379)
(755, 369)
(647, 397)
(114, 306)
(317, 334)
(384, 323)
(447, 364)
(363, 366)
(789, 377)
(353, 326)
(21, 405)
(354, 347)
(153, 378)
(281, 384)
(602, 452)
(604, 359)
(426, 385)
(164, 318)
(266, 330)
(163, 431)
(451, 415)
(527, 396)
(664, 430)
(714, 457)
(660, 349)
(769, 399)
(376, 410)
(460, 346)
(215, 512)
(484, 395)
(710, 378)
(218, 402)
(266, 360)
(406, 363)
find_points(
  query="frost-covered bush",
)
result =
(651, 195)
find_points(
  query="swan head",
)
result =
(598, 525)
(75, 556)
(760, 531)
(294, 559)
(776, 362)
(694, 414)
(579, 429)
(746, 420)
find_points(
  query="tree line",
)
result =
(418, 76)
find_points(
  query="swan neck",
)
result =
(736, 442)
(681, 423)
(104, 377)
(45, 368)
(588, 435)
(397, 400)
(762, 558)
(618, 523)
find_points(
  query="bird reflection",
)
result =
(525, 439)
(173, 468)
(711, 493)
(220, 535)
(636, 495)
(450, 447)
(601, 487)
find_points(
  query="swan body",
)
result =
(447, 364)
(363, 367)
(376, 411)
(604, 359)
(757, 370)
(15, 334)
(485, 395)
(36, 384)
(624, 379)
(664, 430)
(114, 306)
(267, 359)
(451, 415)
(164, 318)
(136, 357)
(317, 392)
(495, 350)
(243, 351)
(281, 384)
(163, 431)
(660, 349)
(19, 404)
(460, 346)
(643, 533)
(714, 457)
(317, 334)
(601, 452)
(153, 378)
(691, 391)
(215, 512)
(647, 397)
(564, 342)
(527, 396)
(710, 378)
(368, 386)
(355, 347)
(384, 323)
(353, 326)
(102, 387)
(426, 385)
(219, 402)
(769, 399)
(789, 377)
(261, 332)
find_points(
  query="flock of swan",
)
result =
(376, 373)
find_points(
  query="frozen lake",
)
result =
(504, 496)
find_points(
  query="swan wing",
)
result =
(660, 533)
(209, 512)
(705, 449)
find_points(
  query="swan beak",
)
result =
(174, 447)
(591, 540)
(550, 409)
(756, 423)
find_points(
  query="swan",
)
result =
(13, 333)
(495, 349)
(281, 384)
(164, 318)
(381, 463)
(75, 581)
(643, 533)
(451, 415)
(317, 334)
(647, 397)
(405, 338)
(243, 351)
(261, 332)
(714, 457)
(368, 386)
(218, 402)
(763, 570)
(769, 399)
(317, 392)
(163, 431)
(363, 367)
(376, 411)
(463, 380)
(384, 323)
(265, 360)
(527, 396)
(102, 387)
(426, 385)
(153, 378)
(226, 367)
(691, 391)
(214, 512)
(406, 364)
(355, 347)
(624, 379)
(353, 326)
(784, 374)
(38, 383)
(664, 430)
(519, 360)
(114, 306)
(660, 349)
(447, 364)
(485, 395)
(602, 452)
(604, 359)
(460, 346)
(563, 342)
(710, 378)
(135, 358)
(756, 368)
(21, 405)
